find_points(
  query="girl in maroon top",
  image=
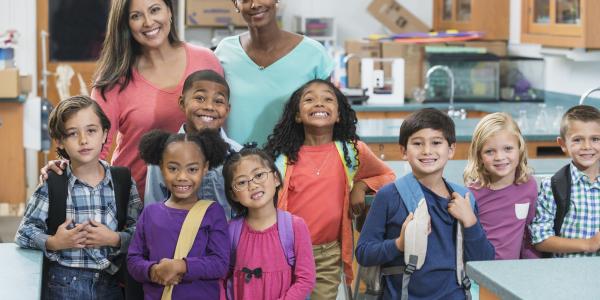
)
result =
(498, 176)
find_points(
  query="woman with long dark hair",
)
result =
(140, 76)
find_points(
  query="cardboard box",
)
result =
(12, 85)
(9, 83)
(414, 57)
(212, 13)
(359, 49)
(498, 48)
(395, 17)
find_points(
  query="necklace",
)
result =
(318, 170)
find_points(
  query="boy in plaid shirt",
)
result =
(580, 231)
(82, 252)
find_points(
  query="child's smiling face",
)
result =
(206, 105)
(254, 184)
(582, 143)
(183, 166)
(318, 107)
(500, 156)
(427, 152)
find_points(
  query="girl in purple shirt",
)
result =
(498, 176)
(183, 160)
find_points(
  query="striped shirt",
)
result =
(582, 221)
(84, 203)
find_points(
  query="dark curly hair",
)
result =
(213, 147)
(288, 135)
(232, 162)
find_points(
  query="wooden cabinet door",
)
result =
(554, 17)
(12, 154)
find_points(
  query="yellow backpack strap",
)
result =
(281, 164)
(350, 170)
(187, 236)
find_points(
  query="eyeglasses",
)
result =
(242, 185)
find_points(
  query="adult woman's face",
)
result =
(257, 13)
(150, 22)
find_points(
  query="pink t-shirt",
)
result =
(505, 215)
(141, 106)
(321, 211)
(262, 249)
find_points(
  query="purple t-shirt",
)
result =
(155, 238)
(505, 215)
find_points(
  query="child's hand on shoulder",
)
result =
(99, 235)
(460, 208)
(168, 271)
(68, 238)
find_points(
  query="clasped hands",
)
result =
(168, 271)
(89, 234)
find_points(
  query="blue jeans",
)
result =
(81, 284)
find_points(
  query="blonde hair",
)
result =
(475, 173)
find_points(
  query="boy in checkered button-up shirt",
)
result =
(83, 250)
(580, 232)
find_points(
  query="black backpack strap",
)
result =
(561, 189)
(121, 178)
(57, 213)
(57, 201)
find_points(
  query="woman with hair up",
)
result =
(263, 67)
(140, 76)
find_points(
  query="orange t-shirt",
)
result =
(318, 169)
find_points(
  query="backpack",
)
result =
(57, 213)
(560, 183)
(414, 256)
(286, 237)
(281, 161)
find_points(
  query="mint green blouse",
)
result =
(259, 94)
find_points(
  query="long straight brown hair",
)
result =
(120, 49)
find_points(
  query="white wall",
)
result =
(20, 15)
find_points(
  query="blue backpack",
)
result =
(286, 237)
(411, 193)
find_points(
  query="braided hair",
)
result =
(288, 135)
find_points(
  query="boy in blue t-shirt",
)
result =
(84, 249)
(427, 141)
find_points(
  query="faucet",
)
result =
(451, 111)
(584, 96)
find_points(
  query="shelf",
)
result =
(539, 51)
